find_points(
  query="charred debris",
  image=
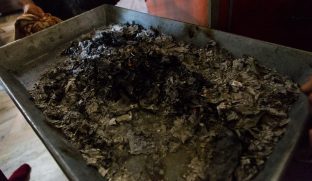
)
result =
(140, 105)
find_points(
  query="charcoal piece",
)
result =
(226, 157)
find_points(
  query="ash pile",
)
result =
(140, 105)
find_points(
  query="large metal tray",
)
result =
(22, 62)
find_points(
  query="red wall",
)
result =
(191, 11)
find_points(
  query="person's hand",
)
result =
(307, 89)
(34, 10)
(30, 8)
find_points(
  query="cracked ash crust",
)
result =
(140, 105)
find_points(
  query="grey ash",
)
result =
(140, 105)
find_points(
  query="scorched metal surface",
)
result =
(23, 61)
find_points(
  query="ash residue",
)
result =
(142, 106)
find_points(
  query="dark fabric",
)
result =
(65, 9)
(2, 176)
(21, 174)
(9, 6)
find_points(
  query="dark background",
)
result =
(9, 6)
(65, 9)
(287, 22)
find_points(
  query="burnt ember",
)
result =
(140, 105)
